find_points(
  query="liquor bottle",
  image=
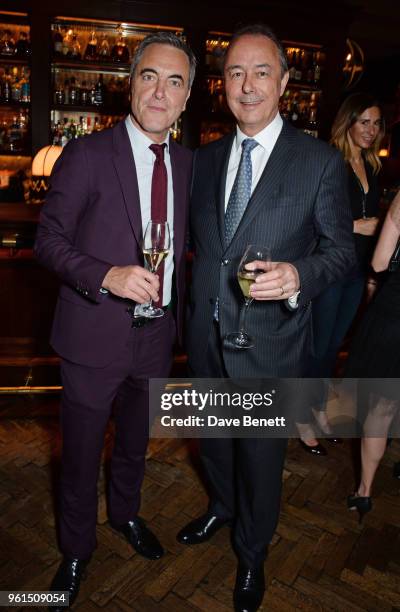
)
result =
(23, 47)
(298, 75)
(311, 126)
(66, 91)
(97, 127)
(295, 114)
(66, 43)
(15, 86)
(59, 95)
(73, 92)
(58, 42)
(17, 133)
(208, 58)
(91, 48)
(317, 68)
(80, 128)
(218, 56)
(64, 133)
(120, 52)
(100, 92)
(104, 51)
(92, 93)
(75, 48)
(72, 130)
(25, 85)
(84, 94)
(6, 89)
(7, 44)
(292, 69)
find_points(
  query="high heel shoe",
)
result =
(396, 470)
(317, 449)
(361, 504)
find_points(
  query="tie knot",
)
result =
(248, 144)
(158, 150)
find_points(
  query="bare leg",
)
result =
(373, 444)
(372, 451)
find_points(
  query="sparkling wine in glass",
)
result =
(246, 277)
(156, 245)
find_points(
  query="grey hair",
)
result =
(165, 38)
(260, 29)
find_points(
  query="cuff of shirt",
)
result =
(292, 302)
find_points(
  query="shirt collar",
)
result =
(140, 142)
(266, 138)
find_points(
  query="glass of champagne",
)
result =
(156, 245)
(246, 277)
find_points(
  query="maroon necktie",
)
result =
(159, 191)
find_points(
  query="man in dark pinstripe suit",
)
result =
(297, 205)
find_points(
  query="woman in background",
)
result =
(357, 132)
(375, 355)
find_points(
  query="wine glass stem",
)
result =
(243, 313)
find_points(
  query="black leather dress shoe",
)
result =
(68, 578)
(201, 529)
(334, 440)
(396, 470)
(313, 450)
(141, 539)
(249, 588)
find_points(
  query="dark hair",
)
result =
(260, 29)
(165, 38)
(349, 112)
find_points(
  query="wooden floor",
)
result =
(320, 558)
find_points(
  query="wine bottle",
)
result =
(120, 52)
(58, 42)
(99, 97)
(91, 48)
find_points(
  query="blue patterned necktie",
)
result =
(241, 190)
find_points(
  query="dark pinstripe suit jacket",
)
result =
(300, 210)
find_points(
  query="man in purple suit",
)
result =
(104, 190)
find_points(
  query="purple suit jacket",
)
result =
(90, 222)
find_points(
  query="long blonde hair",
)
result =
(347, 115)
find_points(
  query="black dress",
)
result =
(375, 351)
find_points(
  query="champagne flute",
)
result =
(156, 245)
(246, 277)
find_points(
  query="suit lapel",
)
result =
(274, 173)
(222, 155)
(179, 184)
(126, 170)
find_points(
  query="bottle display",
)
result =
(300, 107)
(84, 88)
(100, 43)
(14, 129)
(14, 41)
(305, 65)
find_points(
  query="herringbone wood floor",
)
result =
(319, 560)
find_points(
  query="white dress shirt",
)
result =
(259, 156)
(144, 162)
